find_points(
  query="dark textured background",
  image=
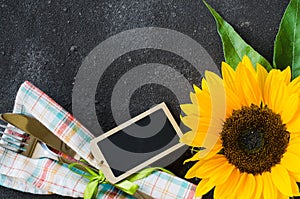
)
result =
(46, 41)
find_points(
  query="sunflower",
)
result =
(247, 129)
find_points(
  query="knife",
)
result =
(35, 128)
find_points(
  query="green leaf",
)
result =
(234, 46)
(287, 42)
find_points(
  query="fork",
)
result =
(32, 137)
(18, 141)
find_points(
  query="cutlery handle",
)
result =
(35, 128)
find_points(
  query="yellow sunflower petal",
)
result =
(295, 176)
(281, 195)
(294, 147)
(220, 191)
(203, 187)
(291, 162)
(290, 108)
(232, 102)
(248, 89)
(193, 98)
(227, 188)
(293, 125)
(261, 76)
(218, 170)
(294, 135)
(275, 86)
(239, 85)
(196, 89)
(203, 99)
(247, 62)
(204, 86)
(212, 153)
(189, 139)
(196, 123)
(269, 190)
(192, 172)
(199, 139)
(277, 93)
(207, 167)
(294, 139)
(245, 186)
(190, 109)
(278, 96)
(294, 186)
(268, 85)
(195, 157)
(258, 187)
(222, 173)
(209, 152)
(281, 180)
(218, 110)
(294, 86)
(228, 76)
(286, 75)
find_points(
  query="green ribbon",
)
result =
(146, 172)
(98, 178)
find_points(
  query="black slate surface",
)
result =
(45, 42)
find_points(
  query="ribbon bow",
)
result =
(98, 178)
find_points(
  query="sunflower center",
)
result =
(251, 140)
(254, 139)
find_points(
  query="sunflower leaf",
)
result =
(287, 42)
(234, 46)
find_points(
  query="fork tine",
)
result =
(18, 147)
(11, 147)
(14, 141)
(9, 142)
(14, 129)
(21, 139)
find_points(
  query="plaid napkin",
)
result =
(45, 176)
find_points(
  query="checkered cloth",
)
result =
(45, 176)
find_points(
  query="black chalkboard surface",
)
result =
(46, 42)
(138, 143)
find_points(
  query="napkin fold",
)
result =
(45, 176)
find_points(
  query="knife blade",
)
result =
(34, 127)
